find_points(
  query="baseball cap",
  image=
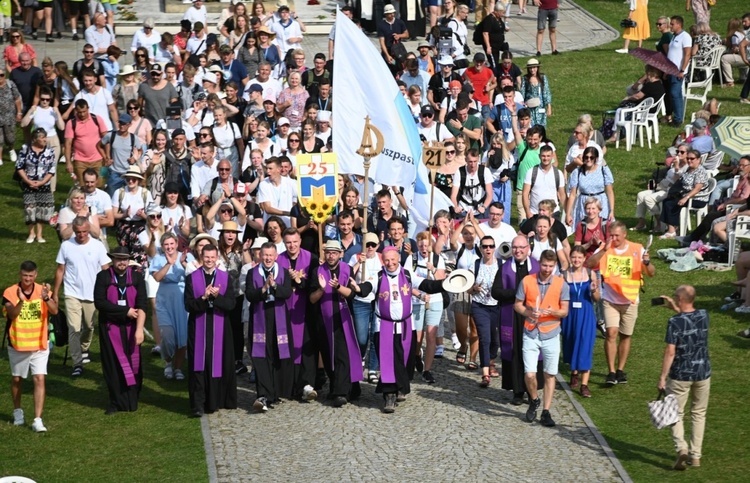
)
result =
(283, 122)
(255, 88)
(427, 109)
(178, 132)
(124, 118)
(479, 57)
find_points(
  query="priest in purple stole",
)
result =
(394, 337)
(329, 288)
(267, 288)
(299, 264)
(120, 298)
(504, 290)
(209, 297)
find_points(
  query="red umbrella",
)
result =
(655, 59)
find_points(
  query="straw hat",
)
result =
(258, 242)
(127, 70)
(202, 236)
(458, 281)
(265, 30)
(532, 63)
(333, 245)
(133, 172)
(230, 226)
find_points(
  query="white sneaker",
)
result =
(178, 375)
(13, 156)
(38, 426)
(62, 160)
(168, 372)
(309, 394)
(622, 51)
(18, 417)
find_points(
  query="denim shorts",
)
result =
(546, 15)
(550, 350)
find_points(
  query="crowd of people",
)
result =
(186, 160)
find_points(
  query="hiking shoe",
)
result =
(681, 463)
(531, 412)
(428, 377)
(400, 397)
(585, 391)
(38, 426)
(168, 372)
(178, 375)
(733, 297)
(260, 405)
(744, 100)
(622, 377)
(390, 403)
(611, 379)
(77, 371)
(574, 381)
(309, 394)
(86, 358)
(546, 419)
(18, 417)
(338, 401)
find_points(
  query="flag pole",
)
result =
(368, 150)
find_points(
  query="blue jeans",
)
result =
(678, 102)
(721, 187)
(487, 321)
(746, 88)
(114, 182)
(363, 326)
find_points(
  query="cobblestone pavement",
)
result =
(448, 431)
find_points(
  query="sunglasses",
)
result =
(576, 132)
(131, 180)
(371, 245)
(17, 37)
(452, 151)
(133, 108)
(44, 99)
(224, 169)
(88, 51)
(659, 24)
(691, 158)
(589, 157)
(293, 141)
(204, 135)
(226, 211)
(2, 74)
(155, 217)
(487, 247)
(681, 152)
(428, 115)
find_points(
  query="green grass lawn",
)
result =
(159, 442)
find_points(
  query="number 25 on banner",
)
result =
(433, 156)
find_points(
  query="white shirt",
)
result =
(197, 15)
(544, 186)
(99, 200)
(98, 104)
(100, 40)
(207, 120)
(226, 135)
(501, 234)
(372, 268)
(575, 151)
(421, 271)
(189, 132)
(396, 305)
(472, 189)
(200, 175)
(140, 39)
(132, 201)
(82, 263)
(283, 34)
(196, 46)
(173, 215)
(679, 42)
(163, 55)
(431, 133)
(271, 89)
(282, 197)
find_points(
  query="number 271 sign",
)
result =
(317, 184)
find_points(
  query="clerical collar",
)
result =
(392, 274)
(207, 272)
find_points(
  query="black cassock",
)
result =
(274, 377)
(208, 393)
(121, 396)
(305, 372)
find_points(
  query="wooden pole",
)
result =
(320, 240)
(366, 204)
(432, 201)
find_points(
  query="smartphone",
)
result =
(657, 301)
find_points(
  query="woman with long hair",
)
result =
(499, 160)
(230, 24)
(293, 147)
(591, 232)
(231, 253)
(536, 93)
(732, 57)
(638, 13)
(74, 207)
(140, 126)
(590, 179)
(250, 55)
(544, 239)
(240, 31)
(152, 163)
(36, 165)
(704, 41)
(414, 101)
(228, 139)
(169, 270)
(259, 10)
(579, 326)
(46, 116)
(126, 90)
(310, 142)
(17, 46)
(140, 62)
(176, 214)
(66, 88)
(462, 146)
(264, 143)
(253, 170)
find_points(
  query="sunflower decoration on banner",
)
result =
(317, 185)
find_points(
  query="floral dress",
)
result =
(294, 112)
(539, 91)
(38, 203)
(706, 43)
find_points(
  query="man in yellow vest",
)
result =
(27, 305)
(621, 264)
(542, 299)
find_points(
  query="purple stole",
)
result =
(507, 313)
(259, 317)
(326, 307)
(387, 324)
(221, 280)
(129, 363)
(297, 303)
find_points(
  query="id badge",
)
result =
(122, 303)
(399, 328)
(577, 305)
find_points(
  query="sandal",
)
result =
(493, 371)
(668, 236)
(485, 382)
(472, 366)
(461, 357)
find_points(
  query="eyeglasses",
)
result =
(742, 165)
(147, 28)
(487, 247)
(495, 214)
(452, 151)
(224, 169)
(371, 245)
(44, 99)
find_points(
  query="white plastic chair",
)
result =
(712, 161)
(653, 118)
(737, 227)
(685, 223)
(714, 62)
(697, 91)
(638, 119)
(16, 479)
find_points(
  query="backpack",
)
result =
(58, 329)
(462, 186)
(535, 171)
(478, 37)
(121, 196)
(94, 117)
(435, 261)
(311, 77)
(461, 251)
(111, 142)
